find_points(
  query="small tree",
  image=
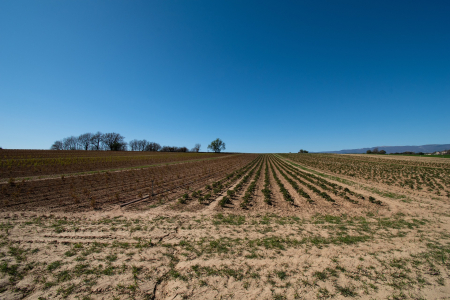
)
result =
(96, 141)
(84, 140)
(133, 145)
(369, 152)
(58, 145)
(382, 152)
(70, 143)
(114, 141)
(196, 148)
(153, 147)
(142, 144)
(217, 145)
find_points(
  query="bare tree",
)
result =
(58, 145)
(96, 141)
(84, 140)
(196, 148)
(153, 147)
(123, 146)
(138, 145)
(70, 143)
(167, 149)
(174, 149)
(114, 141)
(142, 144)
(134, 145)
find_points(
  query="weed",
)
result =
(54, 265)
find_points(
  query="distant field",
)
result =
(422, 174)
(440, 156)
(417, 155)
(25, 163)
(240, 226)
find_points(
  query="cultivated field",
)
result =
(127, 225)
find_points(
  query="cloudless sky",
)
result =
(264, 76)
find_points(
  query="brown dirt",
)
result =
(399, 250)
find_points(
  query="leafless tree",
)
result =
(114, 141)
(138, 145)
(134, 145)
(196, 148)
(70, 143)
(142, 144)
(58, 145)
(174, 149)
(84, 140)
(96, 141)
(123, 146)
(153, 147)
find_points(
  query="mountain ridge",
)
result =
(430, 148)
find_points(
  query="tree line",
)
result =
(376, 151)
(114, 142)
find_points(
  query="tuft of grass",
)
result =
(281, 274)
(320, 275)
(348, 291)
(228, 219)
(64, 276)
(54, 265)
(111, 258)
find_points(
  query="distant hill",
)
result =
(393, 149)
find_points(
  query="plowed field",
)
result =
(240, 226)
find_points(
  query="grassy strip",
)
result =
(5, 180)
(348, 182)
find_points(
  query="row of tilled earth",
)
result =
(103, 190)
(276, 186)
(427, 175)
(39, 164)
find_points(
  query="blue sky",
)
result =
(264, 76)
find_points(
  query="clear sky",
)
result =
(264, 76)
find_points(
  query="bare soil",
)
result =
(167, 250)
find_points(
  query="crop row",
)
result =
(286, 195)
(314, 183)
(209, 193)
(296, 187)
(249, 193)
(110, 187)
(44, 154)
(12, 168)
(266, 190)
(432, 177)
